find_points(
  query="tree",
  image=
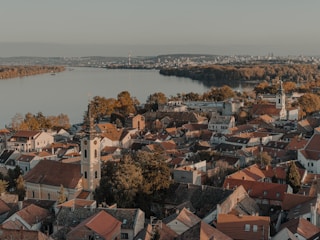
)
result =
(309, 103)
(158, 97)
(293, 177)
(264, 159)
(12, 176)
(155, 171)
(125, 104)
(3, 186)
(20, 188)
(62, 196)
(127, 182)
(120, 182)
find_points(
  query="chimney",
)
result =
(20, 204)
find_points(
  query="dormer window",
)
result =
(265, 193)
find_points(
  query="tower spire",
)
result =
(91, 130)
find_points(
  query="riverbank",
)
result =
(7, 72)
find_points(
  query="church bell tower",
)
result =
(281, 102)
(90, 156)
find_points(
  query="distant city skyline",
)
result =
(148, 28)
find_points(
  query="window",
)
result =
(255, 228)
(265, 193)
(85, 175)
(277, 195)
(247, 227)
(124, 236)
(85, 153)
(95, 153)
(96, 174)
(48, 196)
(32, 194)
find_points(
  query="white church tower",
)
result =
(90, 157)
(281, 102)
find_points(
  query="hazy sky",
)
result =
(147, 27)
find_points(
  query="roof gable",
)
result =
(49, 172)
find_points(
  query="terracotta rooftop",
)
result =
(262, 109)
(32, 214)
(252, 173)
(292, 200)
(49, 172)
(303, 227)
(26, 134)
(261, 190)
(104, 224)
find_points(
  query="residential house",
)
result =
(193, 173)
(221, 124)
(193, 130)
(285, 233)
(309, 156)
(110, 154)
(182, 221)
(243, 227)
(4, 134)
(202, 198)
(302, 229)
(202, 230)
(301, 206)
(101, 226)
(263, 192)
(30, 217)
(306, 126)
(173, 106)
(175, 119)
(238, 202)
(138, 122)
(116, 137)
(8, 155)
(161, 229)
(18, 234)
(131, 220)
(29, 141)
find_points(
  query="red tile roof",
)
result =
(104, 224)
(234, 226)
(26, 134)
(33, 214)
(261, 109)
(303, 227)
(49, 172)
(261, 190)
(292, 200)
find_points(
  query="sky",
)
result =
(147, 27)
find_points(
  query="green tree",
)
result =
(293, 177)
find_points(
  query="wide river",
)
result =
(68, 92)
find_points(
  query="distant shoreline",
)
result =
(7, 72)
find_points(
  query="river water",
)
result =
(68, 92)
